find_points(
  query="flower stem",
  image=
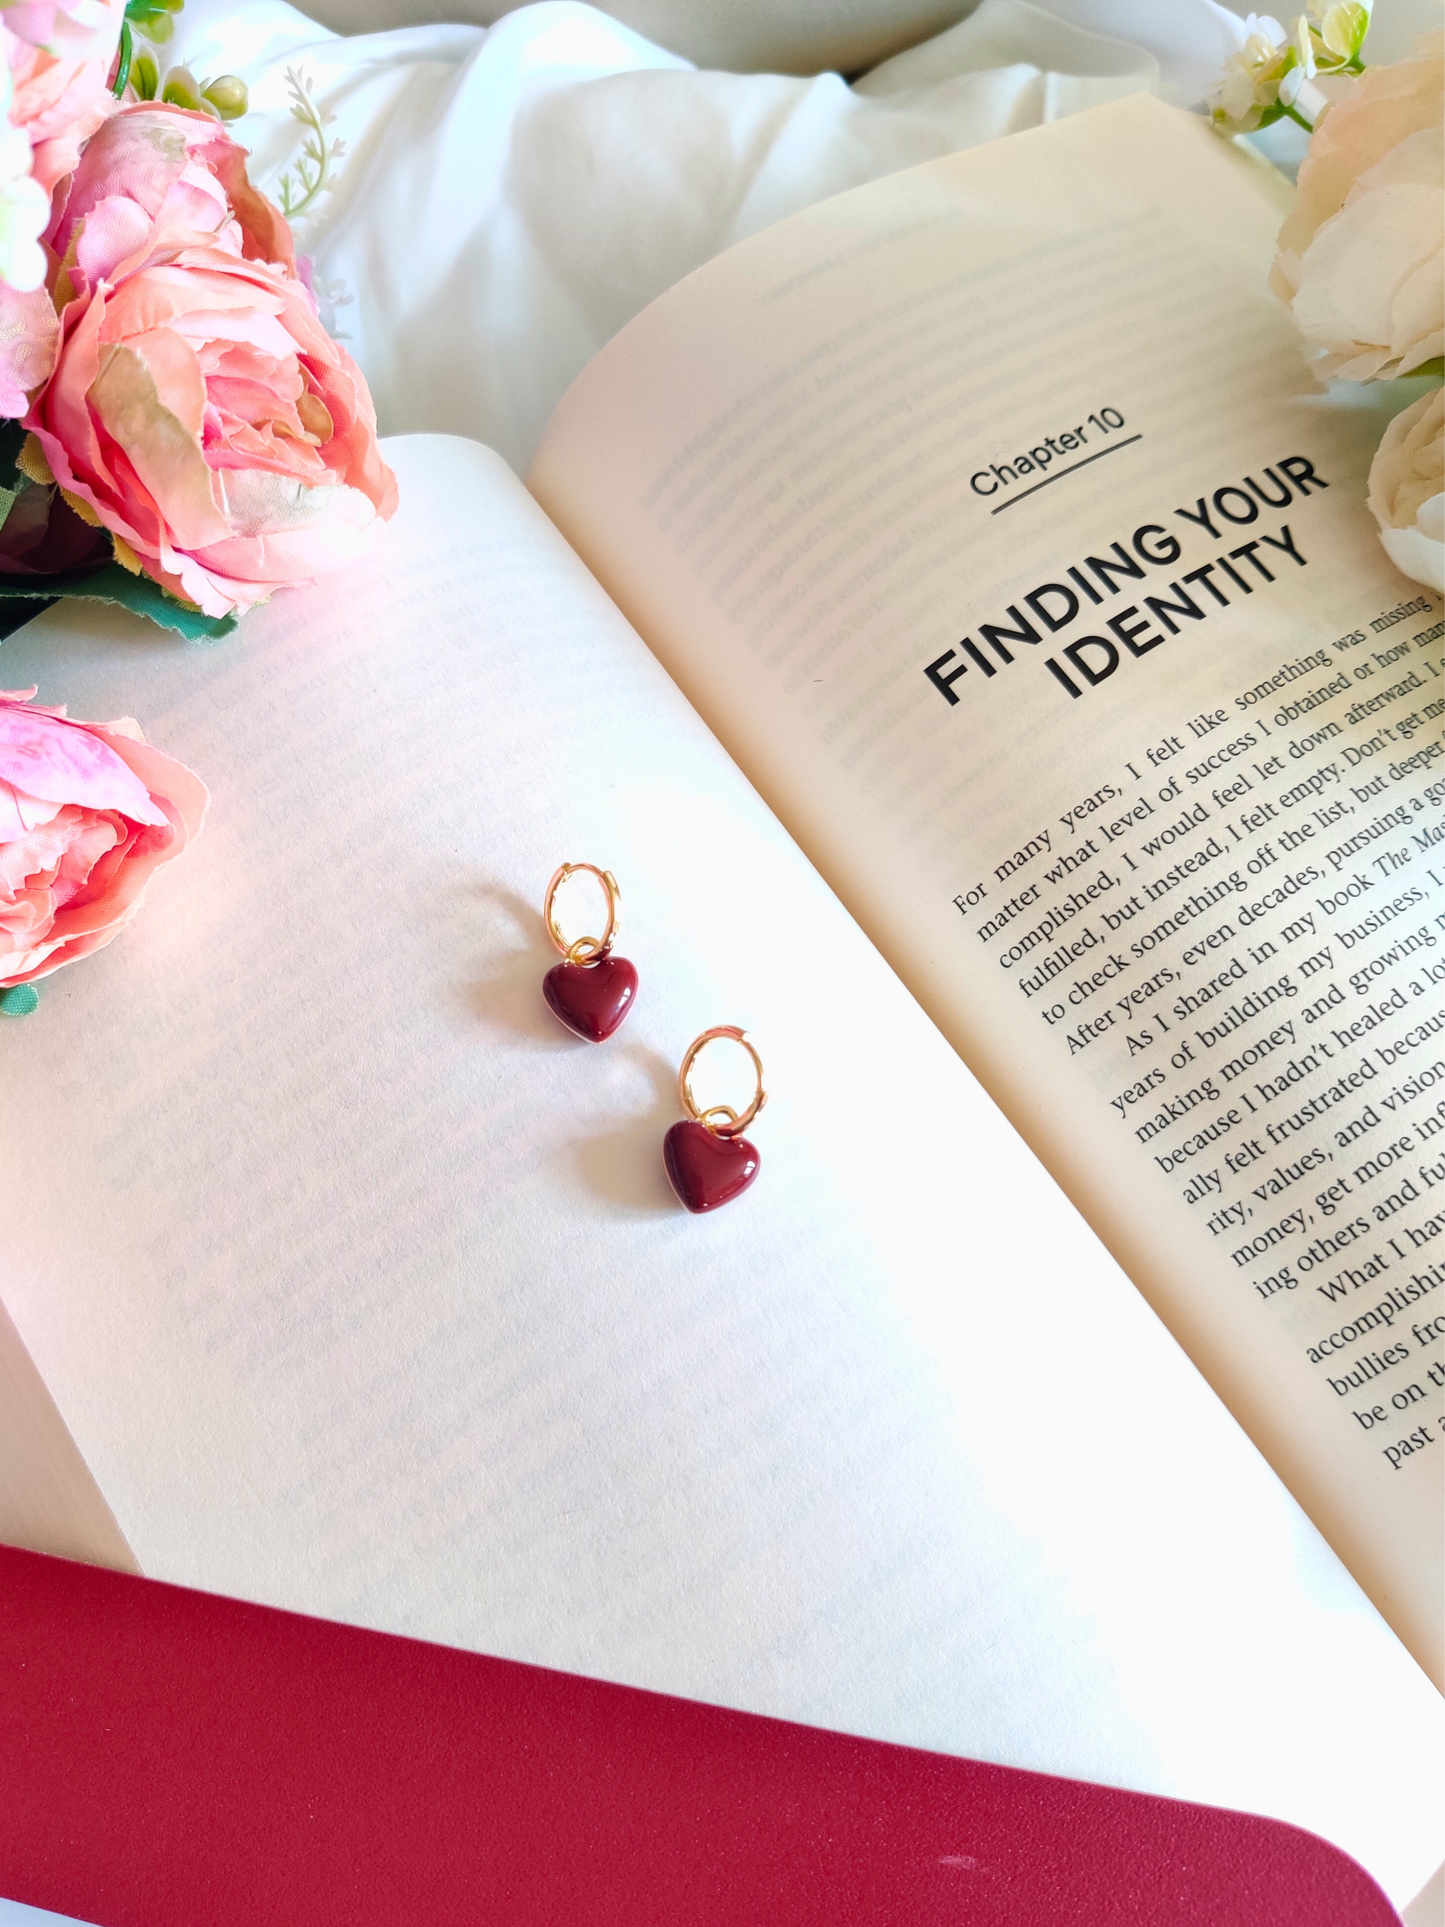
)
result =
(127, 54)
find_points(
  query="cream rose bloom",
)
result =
(1407, 490)
(1360, 255)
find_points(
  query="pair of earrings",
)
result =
(707, 1159)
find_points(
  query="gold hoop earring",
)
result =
(708, 1160)
(590, 991)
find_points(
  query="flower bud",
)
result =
(228, 94)
(145, 75)
(1342, 28)
(181, 89)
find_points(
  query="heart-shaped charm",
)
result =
(591, 999)
(706, 1170)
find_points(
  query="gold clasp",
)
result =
(731, 1121)
(583, 950)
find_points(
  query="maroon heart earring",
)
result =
(708, 1160)
(590, 991)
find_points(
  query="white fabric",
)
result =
(513, 194)
(746, 36)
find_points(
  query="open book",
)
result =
(960, 629)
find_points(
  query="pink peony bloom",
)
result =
(60, 59)
(29, 333)
(42, 535)
(88, 812)
(160, 179)
(198, 406)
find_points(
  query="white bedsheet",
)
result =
(513, 194)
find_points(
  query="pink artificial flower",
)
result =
(198, 407)
(43, 535)
(60, 54)
(160, 179)
(29, 336)
(88, 812)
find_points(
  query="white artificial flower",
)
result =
(1298, 93)
(24, 211)
(1273, 72)
(1371, 295)
(67, 29)
(1249, 83)
(1304, 41)
(1407, 490)
(1340, 30)
(1360, 254)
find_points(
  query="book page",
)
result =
(49, 1500)
(362, 1291)
(990, 518)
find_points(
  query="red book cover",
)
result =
(173, 1759)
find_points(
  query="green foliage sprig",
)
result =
(314, 171)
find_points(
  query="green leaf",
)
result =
(11, 480)
(1434, 369)
(19, 1000)
(14, 615)
(112, 583)
(12, 438)
(24, 596)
